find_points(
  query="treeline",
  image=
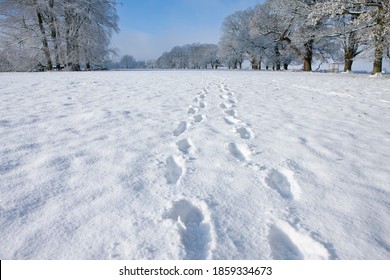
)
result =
(194, 56)
(127, 62)
(279, 33)
(55, 34)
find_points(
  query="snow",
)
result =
(194, 165)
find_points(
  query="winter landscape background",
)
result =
(189, 156)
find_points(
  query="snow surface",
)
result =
(194, 165)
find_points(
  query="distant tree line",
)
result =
(127, 62)
(55, 34)
(194, 56)
(279, 33)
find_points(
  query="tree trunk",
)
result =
(379, 35)
(76, 67)
(308, 57)
(351, 46)
(377, 67)
(347, 64)
(54, 34)
(277, 56)
(349, 55)
(254, 63)
(378, 56)
(285, 66)
(307, 65)
(72, 40)
(44, 40)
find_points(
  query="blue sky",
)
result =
(150, 27)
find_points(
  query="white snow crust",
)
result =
(194, 165)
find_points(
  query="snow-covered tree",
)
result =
(287, 22)
(128, 62)
(66, 32)
(264, 37)
(180, 56)
(371, 20)
(210, 56)
(88, 23)
(352, 40)
(194, 56)
(235, 33)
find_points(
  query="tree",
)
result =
(370, 18)
(20, 35)
(128, 62)
(287, 21)
(235, 33)
(210, 56)
(194, 56)
(352, 40)
(68, 32)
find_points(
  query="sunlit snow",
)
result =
(194, 165)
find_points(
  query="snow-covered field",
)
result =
(194, 165)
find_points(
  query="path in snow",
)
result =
(284, 244)
(195, 234)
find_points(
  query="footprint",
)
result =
(223, 106)
(114, 251)
(284, 183)
(230, 120)
(126, 114)
(245, 133)
(231, 101)
(174, 170)
(287, 243)
(195, 232)
(184, 146)
(280, 183)
(198, 118)
(282, 247)
(241, 152)
(191, 110)
(202, 104)
(223, 88)
(230, 112)
(224, 97)
(180, 128)
(195, 99)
